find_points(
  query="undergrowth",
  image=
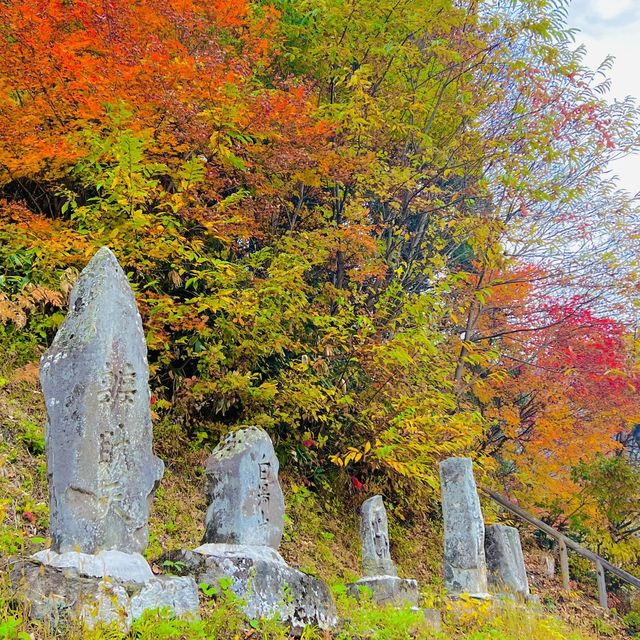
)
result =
(222, 619)
(320, 538)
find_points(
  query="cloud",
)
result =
(611, 9)
(601, 16)
(612, 27)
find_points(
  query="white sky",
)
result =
(613, 27)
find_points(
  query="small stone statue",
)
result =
(374, 533)
(381, 577)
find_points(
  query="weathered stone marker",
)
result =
(465, 569)
(381, 577)
(243, 528)
(374, 533)
(102, 472)
(548, 563)
(505, 560)
(246, 505)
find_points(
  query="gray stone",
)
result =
(244, 524)
(126, 567)
(267, 586)
(102, 472)
(104, 603)
(548, 565)
(505, 560)
(380, 580)
(246, 505)
(58, 594)
(180, 594)
(386, 590)
(433, 619)
(374, 534)
(465, 569)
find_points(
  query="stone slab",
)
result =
(386, 590)
(126, 567)
(58, 594)
(505, 560)
(267, 586)
(246, 505)
(101, 468)
(180, 594)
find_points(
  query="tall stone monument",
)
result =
(101, 469)
(465, 569)
(505, 560)
(381, 577)
(100, 465)
(243, 528)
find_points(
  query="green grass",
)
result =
(321, 537)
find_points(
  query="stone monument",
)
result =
(243, 529)
(505, 560)
(380, 575)
(465, 569)
(246, 505)
(100, 465)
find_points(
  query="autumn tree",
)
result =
(371, 228)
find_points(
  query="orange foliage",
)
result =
(565, 385)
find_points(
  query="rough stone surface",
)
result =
(374, 533)
(243, 529)
(505, 560)
(434, 619)
(465, 568)
(56, 594)
(246, 505)
(386, 590)
(267, 585)
(102, 472)
(548, 565)
(103, 603)
(126, 567)
(178, 593)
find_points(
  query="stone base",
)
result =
(387, 590)
(107, 587)
(265, 583)
(454, 597)
(533, 601)
(433, 619)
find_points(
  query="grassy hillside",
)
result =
(321, 537)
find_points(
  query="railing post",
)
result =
(564, 563)
(602, 585)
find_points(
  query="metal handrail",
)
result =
(563, 542)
